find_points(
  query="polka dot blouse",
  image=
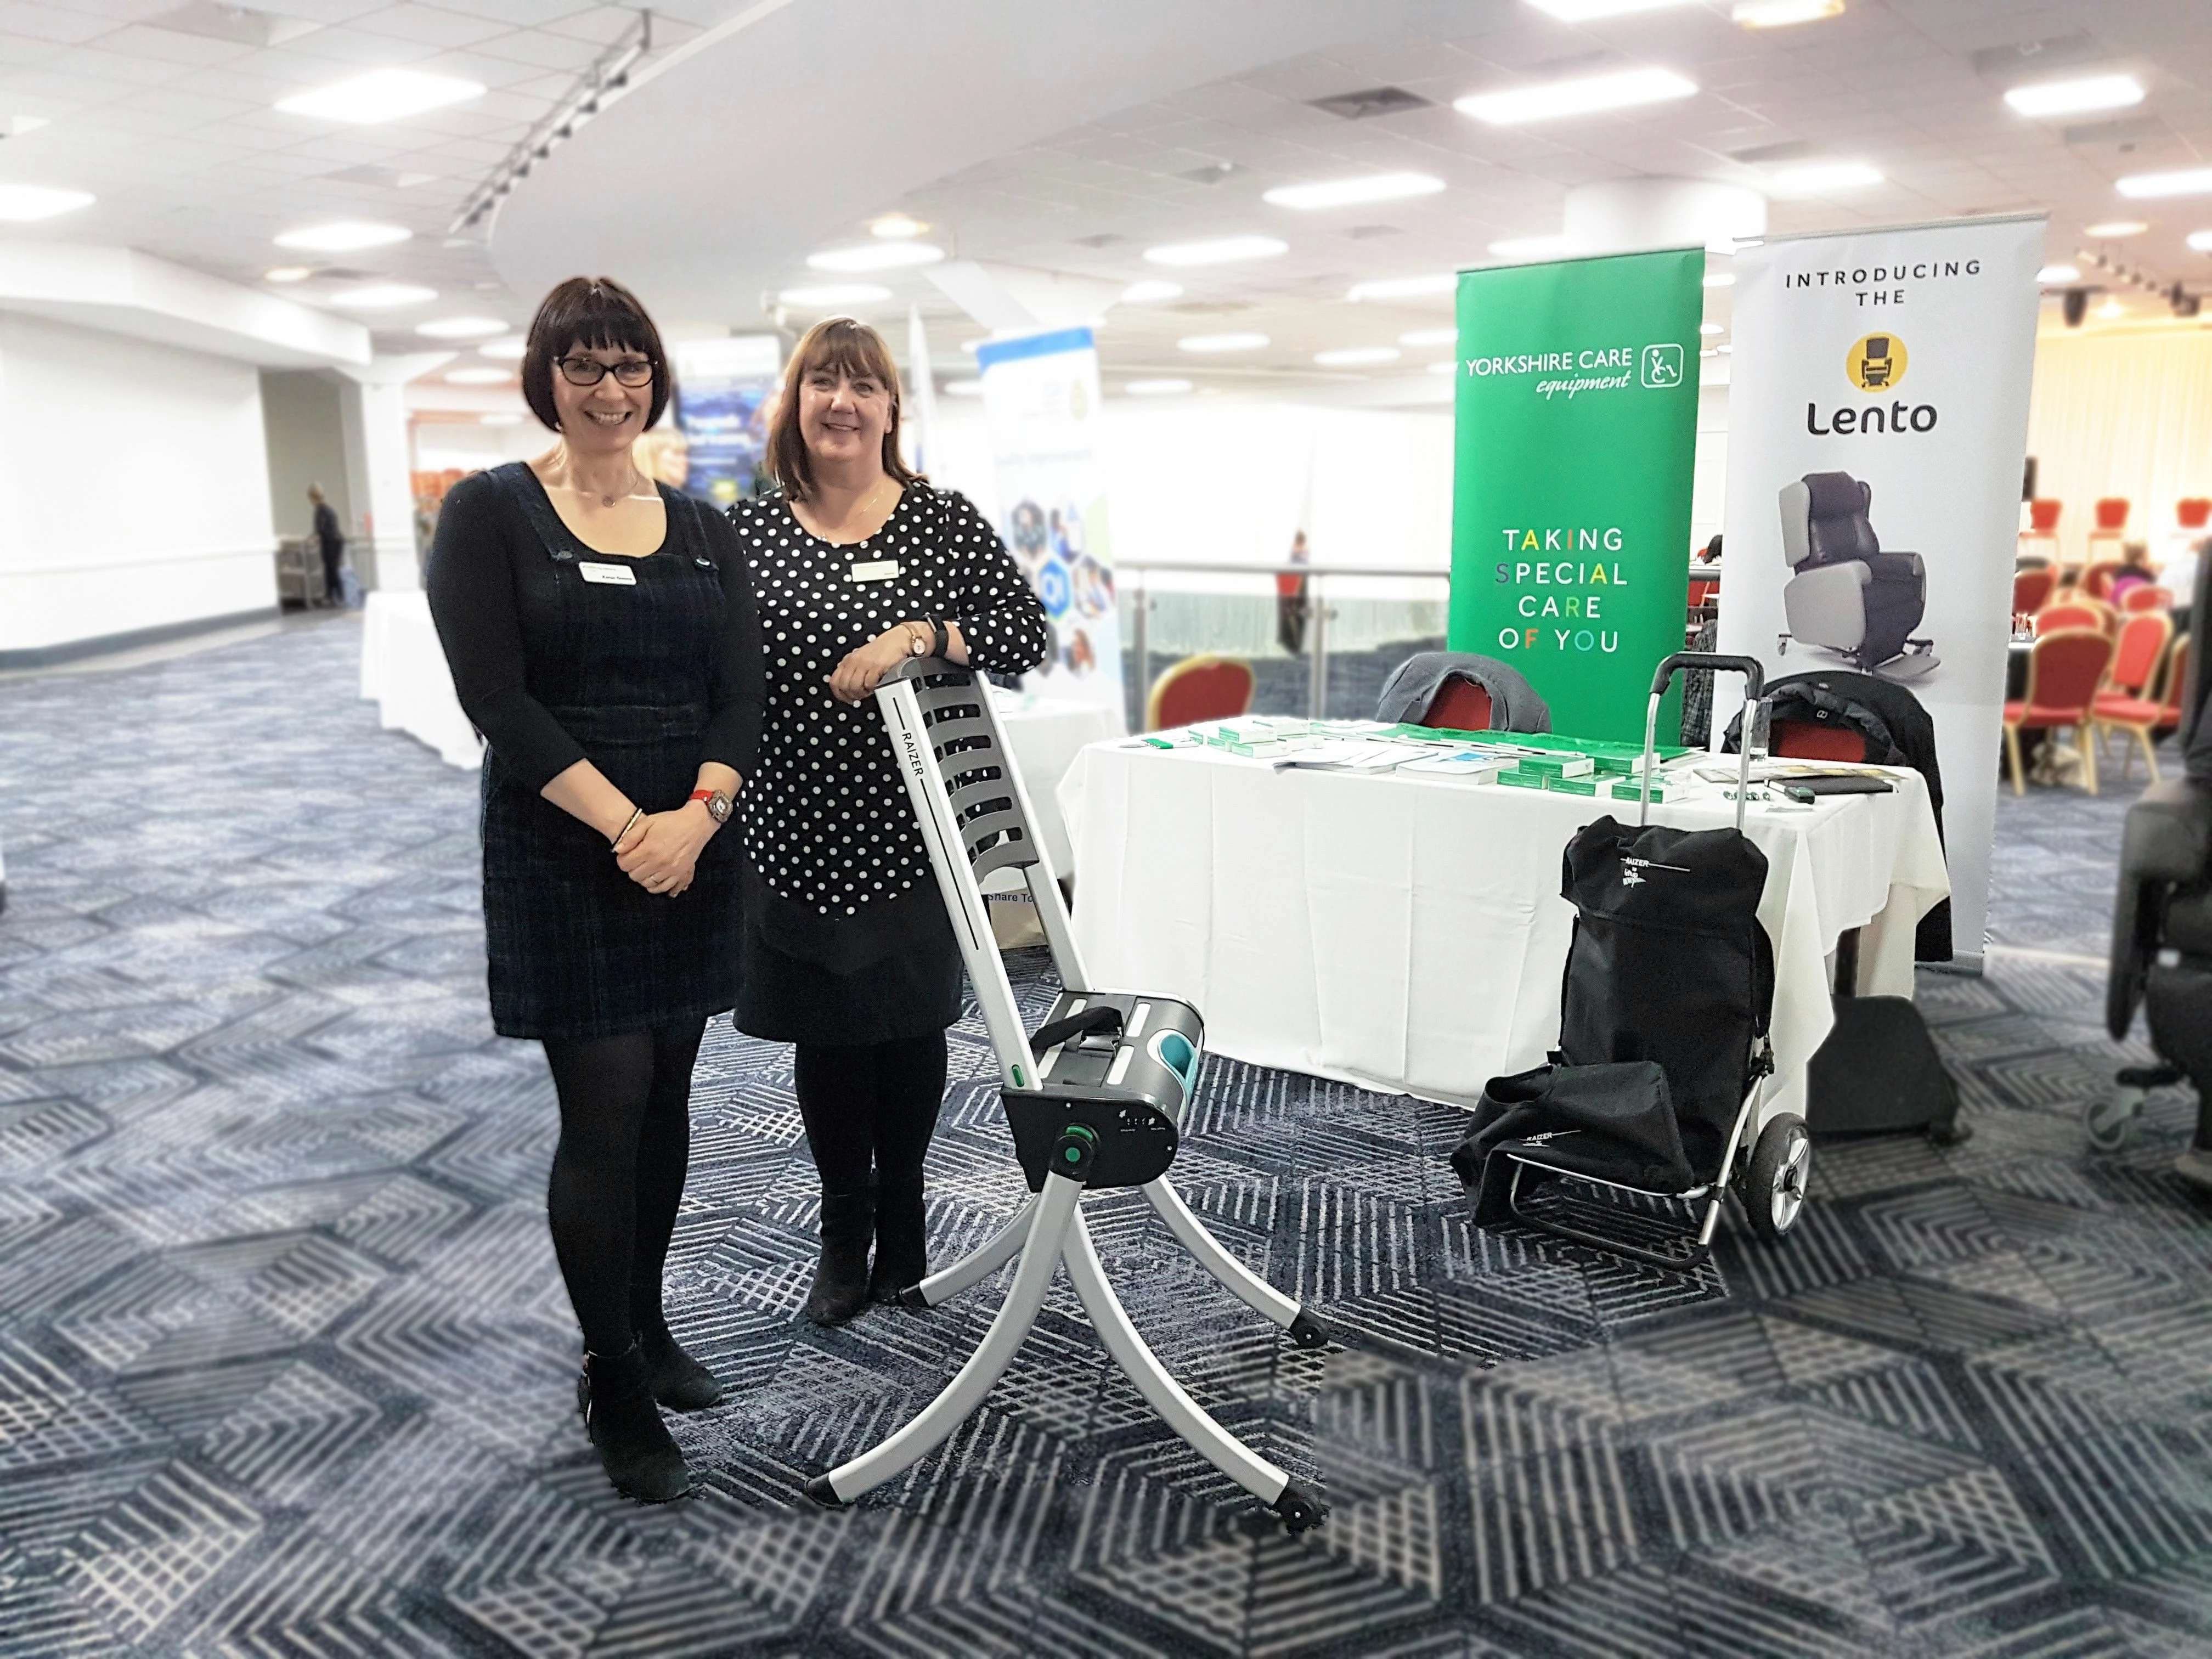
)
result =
(827, 821)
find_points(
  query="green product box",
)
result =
(1629, 789)
(1514, 778)
(1558, 766)
(1573, 786)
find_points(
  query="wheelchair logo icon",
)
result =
(1662, 365)
(1876, 363)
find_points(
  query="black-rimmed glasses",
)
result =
(632, 372)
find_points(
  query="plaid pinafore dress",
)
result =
(577, 949)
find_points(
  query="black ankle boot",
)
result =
(902, 1241)
(840, 1277)
(615, 1393)
(679, 1382)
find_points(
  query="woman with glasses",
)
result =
(848, 951)
(603, 637)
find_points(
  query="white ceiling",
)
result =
(1061, 137)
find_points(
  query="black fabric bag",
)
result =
(1879, 1071)
(1669, 964)
(1616, 1123)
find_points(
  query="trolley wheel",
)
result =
(1308, 1332)
(1774, 1187)
(2110, 1119)
(1301, 1510)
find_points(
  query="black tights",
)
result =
(618, 1172)
(870, 1108)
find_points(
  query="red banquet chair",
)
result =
(2065, 671)
(1460, 706)
(2030, 591)
(2136, 600)
(2193, 512)
(2075, 612)
(2140, 713)
(1810, 740)
(2043, 516)
(1200, 688)
(2097, 580)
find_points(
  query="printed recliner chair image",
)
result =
(1848, 595)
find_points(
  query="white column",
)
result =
(378, 462)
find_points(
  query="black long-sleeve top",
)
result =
(498, 612)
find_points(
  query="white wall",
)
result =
(2119, 413)
(303, 415)
(134, 486)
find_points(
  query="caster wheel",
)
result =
(1300, 1509)
(1308, 1332)
(2109, 1121)
(1774, 1187)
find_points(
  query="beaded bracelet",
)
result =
(635, 813)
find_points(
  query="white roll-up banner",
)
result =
(1877, 430)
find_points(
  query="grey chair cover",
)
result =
(1514, 705)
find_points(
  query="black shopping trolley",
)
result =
(1096, 1099)
(1655, 1087)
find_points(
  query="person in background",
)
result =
(847, 952)
(1291, 609)
(331, 539)
(2134, 571)
(603, 635)
(2179, 579)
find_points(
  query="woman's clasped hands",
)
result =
(660, 852)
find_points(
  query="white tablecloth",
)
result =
(403, 669)
(1408, 934)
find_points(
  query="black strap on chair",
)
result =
(1099, 1018)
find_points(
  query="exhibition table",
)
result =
(1408, 933)
(402, 670)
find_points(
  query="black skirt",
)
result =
(916, 988)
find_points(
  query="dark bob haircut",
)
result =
(597, 314)
(856, 351)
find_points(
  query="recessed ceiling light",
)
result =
(971, 347)
(2113, 229)
(1584, 95)
(1781, 14)
(343, 236)
(1444, 367)
(1712, 328)
(287, 274)
(2189, 181)
(2112, 308)
(386, 95)
(1709, 352)
(461, 328)
(876, 256)
(1724, 350)
(2200, 241)
(1405, 288)
(1350, 192)
(1357, 356)
(499, 420)
(1823, 178)
(506, 351)
(2051, 274)
(1430, 336)
(384, 297)
(894, 227)
(1221, 251)
(830, 296)
(22, 204)
(479, 377)
(964, 388)
(1529, 248)
(1161, 388)
(1221, 341)
(1720, 279)
(1588, 11)
(1150, 293)
(2073, 97)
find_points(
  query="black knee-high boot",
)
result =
(840, 1277)
(615, 1393)
(909, 1079)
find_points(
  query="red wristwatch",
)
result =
(717, 805)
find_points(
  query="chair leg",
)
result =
(2012, 753)
(2127, 755)
(2088, 757)
(2151, 750)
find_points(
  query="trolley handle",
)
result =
(1754, 676)
(1754, 683)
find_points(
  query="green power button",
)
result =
(1074, 1155)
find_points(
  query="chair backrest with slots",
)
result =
(994, 831)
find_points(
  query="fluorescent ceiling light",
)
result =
(876, 256)
(1709, 352)
(1405, 288)
(1712, 328)
(893, 226)
(964, 388)
(1162, 388)
(2113, 229)
(21, 204)
(1781, 14)
(479, 377)
(830, 296)
(1350, 192)
(499, 420)
(505, 351)
(1356, 356)
(1720, 279)
(1430, 336)
(1588, 11)
(2075, 97)
(2189, 181)
(1529, 248)
(1221, 251)
(1585, 95)
(2058, 274)
(1221, 341)
(287, 274)
(386, 94)
(1823, 178)
(2200, 241)
(2112, 308)
(384, 297)
(343, 236)
(1446, 367)
(461, 328)
(1148, 294)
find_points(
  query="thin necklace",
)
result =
(636, 478)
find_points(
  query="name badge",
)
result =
(875, 571)
(614, 575)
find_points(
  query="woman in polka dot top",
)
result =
(846, 953)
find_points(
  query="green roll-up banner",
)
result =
(1576, 429)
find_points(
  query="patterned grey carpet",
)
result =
(285, 1366)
